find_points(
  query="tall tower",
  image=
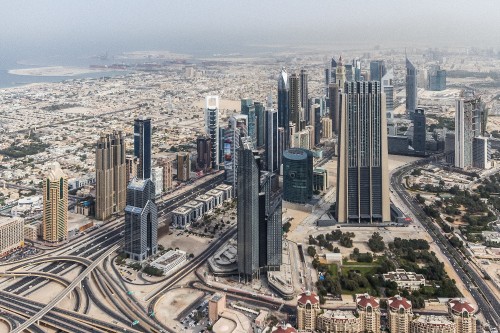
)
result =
(248, 109)
(261, 122)
(212, 127)
(111, 178)
(271, 143)
(388, 90)
(55, 205)
(283, 106)
(236, 129)
(270, 227)
(248, 213)
(295, 101)
(141, 217)
(467, 127)
(183, 166)
(203, 149)
(411, 89)
(304, 95)
(142, 146)
(341, 75)
(334, 106)
(297, 175)
(377, 70)
(362, 177)
(419, 131)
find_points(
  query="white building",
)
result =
(208, 202)
(218, 197)
(212, 127)
(227, 190)
(405, 280)
(11, 234)
(157, 178)
(181, 217)
(170, 261)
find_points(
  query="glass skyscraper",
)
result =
(283, 106)
(411, 89)
(419, 132)
(212, 128)
(297, 175)
(142, 146)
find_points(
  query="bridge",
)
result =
(65, 292)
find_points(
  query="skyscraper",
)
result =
(212, 127)
(111, 178)
(141, 221)
(283, 105)
(167, 174)
(334, 106)
(411, 89)
(295, 101)
(362, 177)
(419, 131)
(377, 70)
(142, 146)
(297, 175)
(341, 74)
(333, 70)
(131, 163)
(388, 90)
(236, 129)
(437, 79)
(261, 123)
(316, 111)
(204, 153)
(248, 109)
(248, 213)
(272, 145)
(183, 166)
(467, 127)
(55, 205)
(304, 95)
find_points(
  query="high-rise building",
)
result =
(432, 324)
(357, 69)
(183, 166)
(294, 101)
(349, 72)
(261, 123)
(55, 205)
(142, 146)
(212, 128)
(340, 74)
(333, 70)
(368, 309)
(157, 179)
(419, 131)
(399, 314)
(248, 109)
(326, 128)
(437, 79)
(272, 141)
(377, 70)
(316, 112)
(166, 164)
(388, 89)
(297, 175)
(481, 149)
(204, 153)
(304, 95)
(327, 80)
(362, 177)
(308, 311)
(236, 129)
(131, 163)
(283, 328)
(284, 106)
(463, 315)
(248, 213)
(467, 127)
(11, 234)
(411, 88)
(111, 175)
(334, 106)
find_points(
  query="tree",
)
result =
(311, 251)
(376, 243)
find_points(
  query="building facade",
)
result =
(204, 153)
(157, 178)
(166, 164)
(308, 311)
(183, 166)
(111, 178)
(304, 96)
(481, 153)
(463, 315)
(411, 89)
(432, 324)
(362, 177)
(399, 314)
(212, 128)
(368, 309)
(419, 131)
(142, 146)
(273, 155)
(55, 205)
(284, 106)
(11, 234)
(294, 101)
(338, 322)
(297, 175)
(467, 127)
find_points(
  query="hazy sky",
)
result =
(50, 27)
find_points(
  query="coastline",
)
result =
(66, 71)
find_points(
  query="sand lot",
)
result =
(173, 303)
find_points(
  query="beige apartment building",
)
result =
(167, 174)
(462, 313)
(55, 205)
(183, 166)
(307, 311)
(432, 324)
(337, 321)
(326, 125)
(216, 305)
(368, 309)
(11, 234)
(111, 178)
(399, 314)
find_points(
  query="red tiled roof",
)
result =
(398, 302)
(308, 296)
(458, 305)
(365, 300)
(284, 329)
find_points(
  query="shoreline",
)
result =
(56, 71)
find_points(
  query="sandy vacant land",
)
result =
(395, 161)
(224, 104)
(54, 71)
(173, 303)
(192, 244)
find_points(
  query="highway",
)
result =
(487, 302)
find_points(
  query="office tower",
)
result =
(368, 309)
(362, 177)
(222, 132)
(334, 106)
(297, 175)
(270, 224)
(399, 314)
(481, 148)
(341, 74)
(411, 89)
(326, 128)
(316, 111)
(467, 127)
(248, 109)
(304, 95)
(55, 205)
(166, 164)
(141, 220)
(269, 100)
(449, 147)
(307, 311)
(248, 213)
(11, 234)
(283, 105)
(437, 79)
(357, 69)
(327, 80)
(204, 153)
(349, 72)
(212, 127)
(131, 163)
(302, 139)
(463, 315)
(281, 147)
(261, 123)
(237, 128)
(272, 141)
(388, 90)
(183, 166)
(333, 70)
(377, 70)
(157, 179)
(422, 79)
(111, 175)
(294, 101)
(419, 131)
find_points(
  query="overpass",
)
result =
(65, 292)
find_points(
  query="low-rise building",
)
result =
(320, 179)
(208, 202)
(170, 261)
(227, 190)
(181, 217)
(197, 209)
(405, 280)
(11, 234)
(218, 197)
(338, 321)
